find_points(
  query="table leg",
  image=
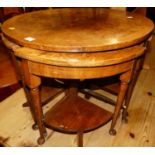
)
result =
(72, 92)
(136, 71)
(20, 76)
(33, 82)
(125, 79)
(80, 138)
(35, 94)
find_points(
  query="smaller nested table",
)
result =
(76, 44)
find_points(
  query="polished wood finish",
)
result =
(113, 86)
(78, 73)
(54, 116)
(79, 70)
(87, 115)
(79, 59)
(136, 72)
(45, 97)
(125, 79)
(139, 132)
(78, 29)
(34, 82)
(77, 36)
(11, 74)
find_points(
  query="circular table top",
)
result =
(77, 29)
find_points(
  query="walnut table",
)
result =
(75, 44)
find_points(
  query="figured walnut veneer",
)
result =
(78, 29)
(77, 43)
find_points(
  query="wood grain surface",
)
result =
(138, 132)
(68, 31)
(78, 29)
(94, 59)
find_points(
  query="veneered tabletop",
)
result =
(70, 44)
(77, 29)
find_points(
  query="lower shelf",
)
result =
(73, 114)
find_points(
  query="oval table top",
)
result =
(77, 29)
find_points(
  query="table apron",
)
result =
(78, 72)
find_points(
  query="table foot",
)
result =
(35, 126)
(124, 120)
(45, 134)
(26, 104)
(112, 132)
(87, 96)
(41, 140)
(125, 116)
